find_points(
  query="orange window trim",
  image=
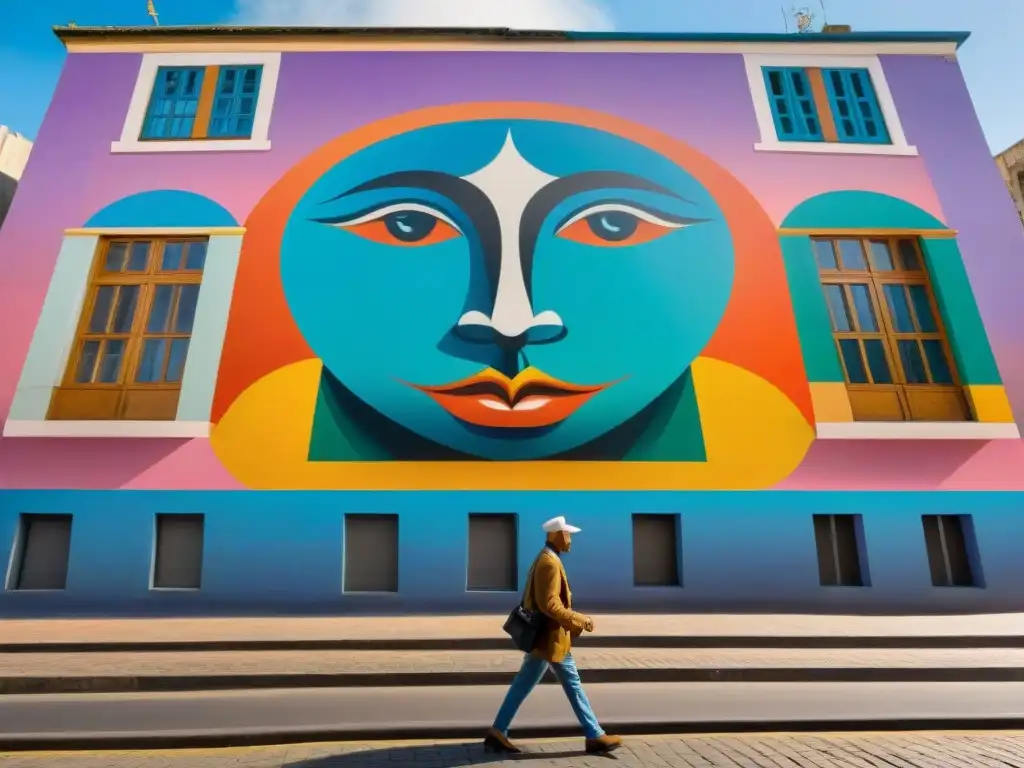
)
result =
(201, 126)
(822, 104)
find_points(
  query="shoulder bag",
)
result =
(523, 625)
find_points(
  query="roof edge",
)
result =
(65, 33)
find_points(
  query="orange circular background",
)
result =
(757, 332)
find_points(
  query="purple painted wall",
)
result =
(702, 99)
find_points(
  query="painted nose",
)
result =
(512, 322)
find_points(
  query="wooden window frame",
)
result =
(876, 280)
(147, 281)
(204, 109)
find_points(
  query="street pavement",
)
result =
(895, 750)
(421, 712)
(205, 663)
(198, 629)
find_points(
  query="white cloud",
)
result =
(517, 14)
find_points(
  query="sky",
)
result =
(31, 57)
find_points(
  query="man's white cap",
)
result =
(559, 524)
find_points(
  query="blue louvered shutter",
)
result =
(792, 103)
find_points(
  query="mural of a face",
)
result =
(510, 289)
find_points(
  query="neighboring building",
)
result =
(14, 151)
(1011, 166)
(325, 320)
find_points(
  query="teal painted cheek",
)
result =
(375, 313)
(638, 315)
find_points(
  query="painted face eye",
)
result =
(616, 224)
(405, 224)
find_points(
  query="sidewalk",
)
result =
(702, 628)
(799, 750)
(99, 672)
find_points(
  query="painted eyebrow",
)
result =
(472, 202)
(589, 181)
(445, 184)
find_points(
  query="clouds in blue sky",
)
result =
(522, 14)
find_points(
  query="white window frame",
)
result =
(55, 335)
(755, 64)
(146, 80)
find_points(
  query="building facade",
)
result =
(315, 320)
(1011, 165)
(14, 152)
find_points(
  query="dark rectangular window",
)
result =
(179, 552)
(371, 553)
(946, 537)
(836, 537)
(493, 552)
(656, 551)
(44, 546)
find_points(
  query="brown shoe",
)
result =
(496, 741)
(603, 745)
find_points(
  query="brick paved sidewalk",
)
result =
(489, 626)
(896, 750)
(205, 663)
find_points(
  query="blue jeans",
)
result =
(531, 673)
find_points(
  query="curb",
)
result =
(910, 642)
(183, 683)
(275, 737)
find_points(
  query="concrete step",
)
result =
(99, 672)
(234, 718)
(482, 633)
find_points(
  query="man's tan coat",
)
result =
(548, 592)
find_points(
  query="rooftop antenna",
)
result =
(785, 19)
(804, 20)
(151, 11)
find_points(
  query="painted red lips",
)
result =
(491, 399)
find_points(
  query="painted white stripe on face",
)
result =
(510, 182)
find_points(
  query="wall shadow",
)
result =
(84, 463)
(446, 755)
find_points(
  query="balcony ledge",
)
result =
(917, 430)
(179, 430)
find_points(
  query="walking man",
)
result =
(547, 591)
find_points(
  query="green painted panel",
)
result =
(813, 324)
(675, 433)
(854, 209)
(967, 336)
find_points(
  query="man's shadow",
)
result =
(447, 755)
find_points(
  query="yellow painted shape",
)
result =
(831, 402)
(754, 438)
(990, 403)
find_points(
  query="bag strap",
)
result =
(528, 589)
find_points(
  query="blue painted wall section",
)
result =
(162, 208)
(738, 551)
